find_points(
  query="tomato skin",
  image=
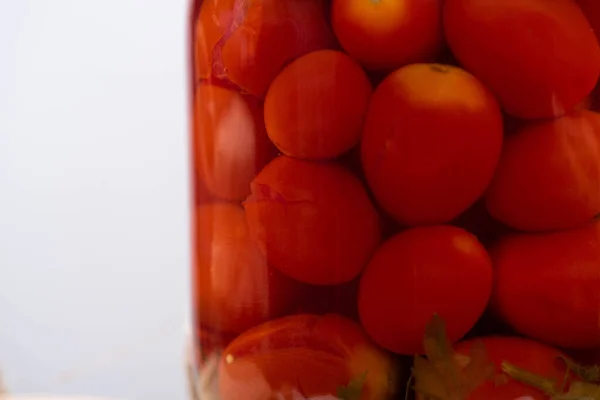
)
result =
(315, 222)
(248, 42)
(388, 34)
(415, 275)
(546, 285)
(435, 132)
(230, 141)
(527, 354)
(315, 107)
(591, 9)
(304, 355)
(234, 287)
(539, 57)
(548, 177)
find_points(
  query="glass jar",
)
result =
(396, 198)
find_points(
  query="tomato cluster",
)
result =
(364, 165)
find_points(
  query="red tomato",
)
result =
(249, 42)
(522, 353)
(387, 34)
(304, 356)
(314, 222)
(431, 142)
(234, 287)
(420, 272)
(539, 57)
(546, 285)
(230, 141)
(549, 174)
(316, 106)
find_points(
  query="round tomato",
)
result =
(234, 287)
(230, 141)
(431, 142)
(549, 174)
(420, 272)
(387, 34)
(249, 42)
(315, 222)
(546, 285)
(522, 353)
(539, 57)
(315, 107)
(305, 356)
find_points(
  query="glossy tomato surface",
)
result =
(418, 273)
(539, 57)
(549, 174)
(323, 117)
(432, 139)
(387, 34)
(305, 356)
(313, 221)
(546, 285)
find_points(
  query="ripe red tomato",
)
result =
(315, 108)
(523, 353)
(549, 174)
(313, 221)
(387, 34)
(539, 57)
(234, 287)
(546, 285)
(248, 42)
(431, 142)
(230, 141)
(420, 272)
(305, 356)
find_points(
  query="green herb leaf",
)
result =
(353, 390)
(580, 391)
(586, 373)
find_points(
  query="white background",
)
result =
(93, 197)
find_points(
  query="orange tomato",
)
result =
(304, 356)
(523, 353)
(387, 34)
(230, 141)
(539, 57)
(313, 221)
(249, 42)
(549, 174)
(316, 106)
(420, 272)
(546, 285)
(234, 287)
(431, 142)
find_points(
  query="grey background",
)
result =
(93, 197)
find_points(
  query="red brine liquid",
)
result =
(395, 199)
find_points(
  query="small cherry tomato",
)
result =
(305, 356)
(314, 222)
(539, 57)
(234, 287)
(431, 142)
(524, 354)
(546, 285)
(230, 141)
(315, 108)
(420, 272)
(387, 34)
(549, 174)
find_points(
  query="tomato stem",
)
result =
(546, 385)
